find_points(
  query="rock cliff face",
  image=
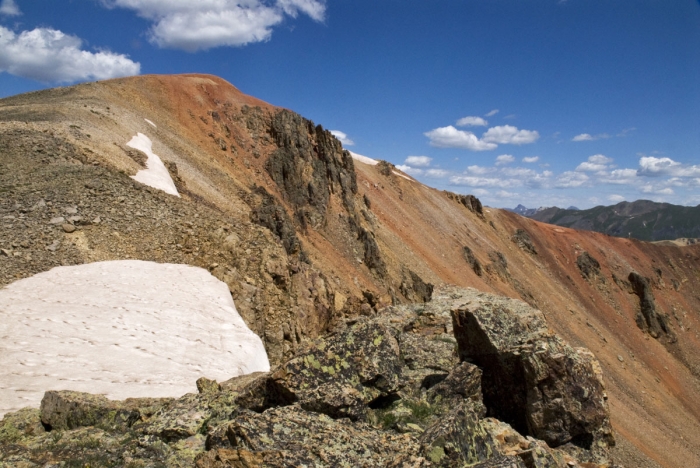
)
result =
(386, 390)
(307, 238)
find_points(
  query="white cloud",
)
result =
(450, 137)
(48, 55)
(531, 159)
(616, 198)
(571, 179)
(619, 177)
(472, 122)
(492, 113)
(420, 161)
(436, 173)
(480, 170)
(504, 159)
(505, 194)
(343, 137)
(200, 25)
(470, 181)
(649, 188)
(414, 171)
(589, 137)
(9, 8)
(595, 163)
(507, 134)
(652, 166)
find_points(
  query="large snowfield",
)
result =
(124, 328)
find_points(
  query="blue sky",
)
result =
(539, 102)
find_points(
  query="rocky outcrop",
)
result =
(588, 265)
(384, 390)
(649, 319)
(414, 288)
(308, 166)
(532, 378)
(270, 214)
(470, 202)
(472, 260)
(523, 240)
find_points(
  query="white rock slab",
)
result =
(122, 328)
(155, 175)
(151, 123)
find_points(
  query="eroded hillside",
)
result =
(304, 236)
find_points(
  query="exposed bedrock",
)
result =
(649, 319)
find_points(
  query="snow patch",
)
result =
(154, 125)
(401, 175)
(156, 175)
(363, 159)
(121, 328)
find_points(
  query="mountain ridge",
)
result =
(306, 238)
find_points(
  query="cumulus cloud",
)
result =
(531, 159)
(436, 173)
(200, 25)
(583, 137)
(450, 137)
(480, 170)
(595, 163)
(652, 166)
(343, 137)
(616, 198)
(504, 159)
(506, 194)
(507, 134)
(9, 8)
(471, 181)
(420, 161)
(571, 179)
(472, 122)
(589, 137)
(619, 177)
(492, 113)
(48, 55)
(414, 171)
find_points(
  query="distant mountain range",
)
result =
(643, 219)
(529, 212)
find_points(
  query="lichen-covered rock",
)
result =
(289, 436)
(532, 379)
(340, 375)
(457, 439)
(68, 410)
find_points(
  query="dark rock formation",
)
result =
(648, 319)
(415, 289)
(309, 165)
(532, 379)
(523, 240)
(472, 203)
(270, 214)
(589, 266)
(472, 260)
(372, 257)
(498, 265)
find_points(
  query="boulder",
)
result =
(532, 379)
(342, 374)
